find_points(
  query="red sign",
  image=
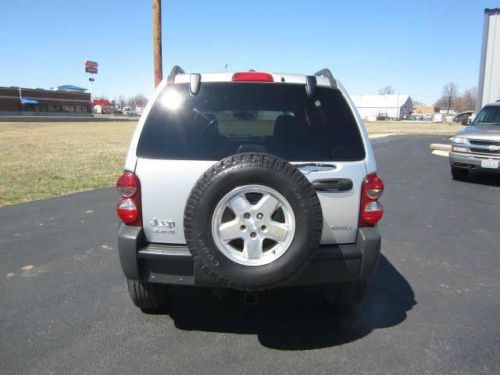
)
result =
(91, 70)
(90, 64)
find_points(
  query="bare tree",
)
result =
(138, 101)
(388, 90)
(452, 99)
(468, 100)
(120, 101)
(450, 93)
(440, 103)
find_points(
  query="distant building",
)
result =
(18, 101)
(425, 110)
(373, 107)
(102, 106)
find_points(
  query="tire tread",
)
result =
(243, 160)
(146, 296)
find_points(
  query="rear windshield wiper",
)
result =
(209, 121)
(200, 113)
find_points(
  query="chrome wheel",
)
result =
(253, 225)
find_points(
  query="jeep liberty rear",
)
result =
(249, 181)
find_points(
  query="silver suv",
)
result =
(478, 146)
(249, 181)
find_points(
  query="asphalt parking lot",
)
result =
(432, 307)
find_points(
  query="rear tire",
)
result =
(459, 174)
(345, 296)
(148, 297)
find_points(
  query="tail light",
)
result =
(252, 77)
(371, 210)
(129, 206)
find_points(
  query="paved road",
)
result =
(433, 306)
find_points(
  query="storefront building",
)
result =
(69, 100)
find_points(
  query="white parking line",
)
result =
(441, 153)
(440, 149)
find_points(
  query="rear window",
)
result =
(228, 118)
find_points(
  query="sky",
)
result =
(414, 46)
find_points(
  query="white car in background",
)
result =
(128, 111)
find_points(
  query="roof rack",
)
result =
(328, 74)
(175, 70)
(322, 73)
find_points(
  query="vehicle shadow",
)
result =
(484, 178)
(296, 319)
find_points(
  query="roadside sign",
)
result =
(91, 64)
(91, 67)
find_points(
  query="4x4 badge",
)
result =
(163, 226)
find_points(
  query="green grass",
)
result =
(42, 160)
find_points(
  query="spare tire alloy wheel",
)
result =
(253, 237)
(252, 222)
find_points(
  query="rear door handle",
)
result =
(333, 184)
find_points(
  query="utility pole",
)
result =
(158, 66)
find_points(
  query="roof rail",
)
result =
(328, 74)
(175, 70)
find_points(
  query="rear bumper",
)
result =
(471, 161)
(173, 264)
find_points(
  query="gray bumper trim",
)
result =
(130, 239)
(471, 161)
(368, 242)
(173, 264)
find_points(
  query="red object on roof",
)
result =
(252, 77)
(102, 103)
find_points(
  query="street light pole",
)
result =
(91, 80)
(158, 67)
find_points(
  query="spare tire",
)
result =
(252, 221)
